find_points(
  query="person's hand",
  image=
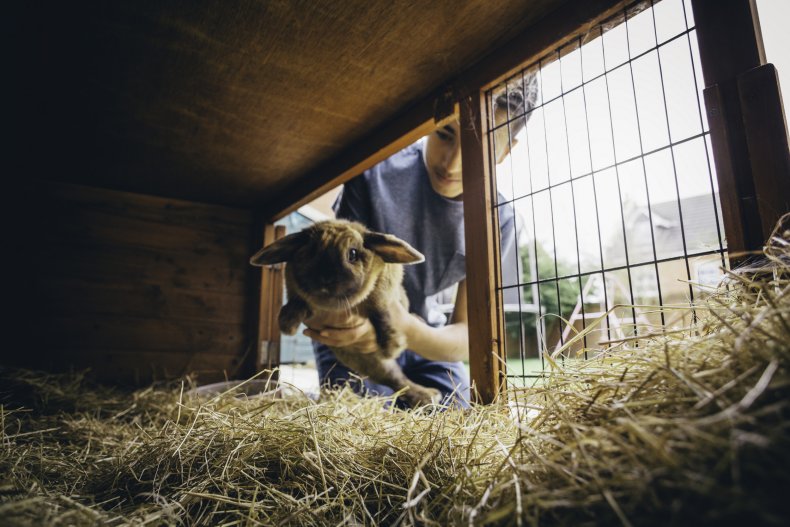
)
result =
(342, 330)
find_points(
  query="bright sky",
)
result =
(775, 21)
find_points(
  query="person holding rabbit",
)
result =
(416, 195)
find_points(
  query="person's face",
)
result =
(443, 156)
(443, 161)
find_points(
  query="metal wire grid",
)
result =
(640, 34)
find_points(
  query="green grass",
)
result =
(531, 367)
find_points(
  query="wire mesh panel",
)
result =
(611, 179)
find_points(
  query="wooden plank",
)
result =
(138, 333)
(486, 346)
(393, 136)
(107, 264)
(60, 296)
(141, 367)
(265, 307)
(736, 193)
(418, 120)
(730, 43)
(108, 227)
(204, 216)
(271, 299)
(729, 37)
(134, 274)
(766, 136)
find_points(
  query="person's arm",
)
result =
(449, 343)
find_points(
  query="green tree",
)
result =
(550, 303)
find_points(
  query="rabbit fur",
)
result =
(339, 266)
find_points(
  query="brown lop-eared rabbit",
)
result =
(339, 266)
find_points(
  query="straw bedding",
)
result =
(686, 428)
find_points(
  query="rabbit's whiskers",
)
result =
(349, 308)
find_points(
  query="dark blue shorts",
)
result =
(450, 378)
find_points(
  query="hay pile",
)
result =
(687, 428)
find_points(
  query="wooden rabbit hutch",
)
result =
(158, 142)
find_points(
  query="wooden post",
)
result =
(766, 137)
(748, 131)
(484, 306)
(271, 299)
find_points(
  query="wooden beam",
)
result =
(481, 230)
(730, 44)
(271, 299)
(730, 41)
(393, 136)
(420, 119)
(766, 137)
(736, 192)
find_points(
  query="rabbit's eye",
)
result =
(353, 255)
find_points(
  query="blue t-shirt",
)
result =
(396, 197)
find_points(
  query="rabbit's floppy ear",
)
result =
(280, 251)
(392, 249)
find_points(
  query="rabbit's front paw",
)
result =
(289, 321)
(292, 314)
(421, 396)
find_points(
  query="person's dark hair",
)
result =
(518, 100)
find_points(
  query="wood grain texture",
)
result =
(96, 332)
(116, 263)
(730, 43)
(162, 284)
(143, 300)
(138, 367)
(481, 229)
(270, 301)
(738, 207)
(232, 104)
(766, 137)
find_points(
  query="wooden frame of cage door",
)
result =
(748, 128)
(483, 277)
(264, 353)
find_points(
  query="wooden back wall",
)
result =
(134, 287)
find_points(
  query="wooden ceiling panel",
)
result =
(232, 102)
